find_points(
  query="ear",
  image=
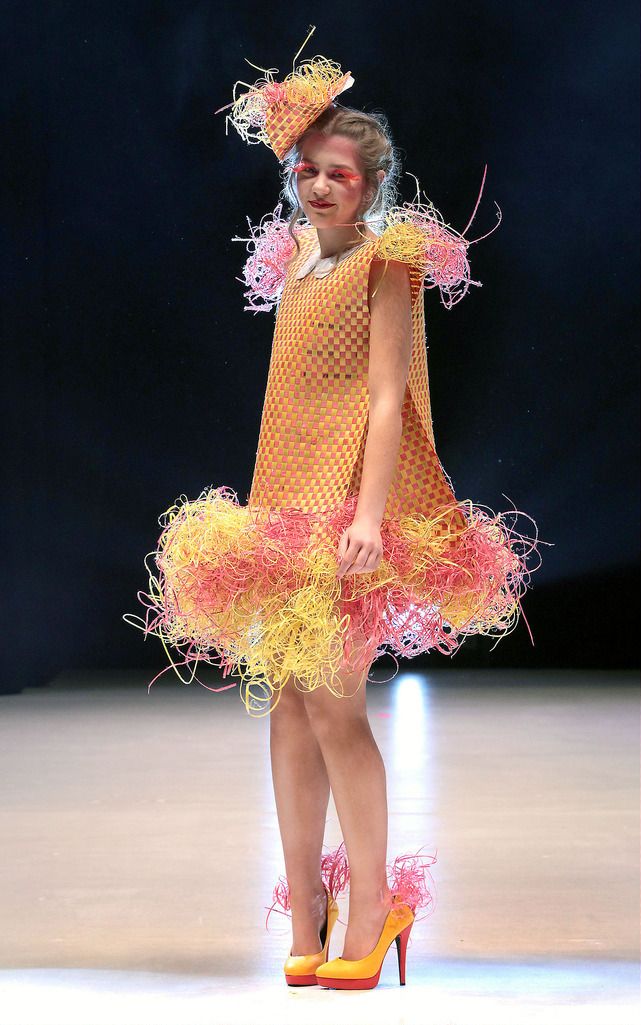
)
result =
(381, 177)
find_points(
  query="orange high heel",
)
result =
(334, 869)
(300, 969)
(406, 878)
(365, 973)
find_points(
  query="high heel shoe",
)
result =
(409, 893)
(334, 869)
(365, 973)
(300, 969)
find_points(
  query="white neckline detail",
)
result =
(324, 266)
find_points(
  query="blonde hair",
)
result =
(371, 135)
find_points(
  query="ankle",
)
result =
(368, 900)
(308, 898)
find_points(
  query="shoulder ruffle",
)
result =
(416, 234)
(270, 248)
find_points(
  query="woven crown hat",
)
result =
(277, 113)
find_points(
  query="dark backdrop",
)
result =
(131, 374)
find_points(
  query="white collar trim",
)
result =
(323, 267)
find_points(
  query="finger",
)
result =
(340, 554)
(342, 544)
(348, 559)
(370, 564)
(345, 567)
(360, 564)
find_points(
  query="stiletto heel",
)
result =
(365, 972)
(401, 948)
(409, 893)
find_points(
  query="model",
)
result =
(352, 542)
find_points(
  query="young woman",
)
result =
(352, 541)
(317, 741)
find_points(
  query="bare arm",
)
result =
(390, 348)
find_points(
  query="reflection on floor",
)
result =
(141, 848)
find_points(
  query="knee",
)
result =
(287, 706)
(335, 719)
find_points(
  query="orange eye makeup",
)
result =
(305, 165)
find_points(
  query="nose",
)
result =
(320, 190)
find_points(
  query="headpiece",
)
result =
(277, 113)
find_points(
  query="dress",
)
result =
(314, 422)
(253, 588)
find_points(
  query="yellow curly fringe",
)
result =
(269, 639)
(402, 241)
(306, 90)
(278, 614)
(410, 228)
(309, 88)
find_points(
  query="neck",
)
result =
(335, 240)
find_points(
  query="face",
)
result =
(330, 171)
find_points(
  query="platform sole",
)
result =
(347, 983)
(301, 980)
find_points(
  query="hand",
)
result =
(360, 548)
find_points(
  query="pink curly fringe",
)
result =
(334, 873)
(482, 568)
(446, 265)
(406, 877)
(442, 255)
(487, 563)
(265, 269)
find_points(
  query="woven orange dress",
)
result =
(314, 422)
(253, 589)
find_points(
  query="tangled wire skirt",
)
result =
(255, 592)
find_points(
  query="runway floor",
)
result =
(141, 848)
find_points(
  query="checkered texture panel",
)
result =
(285, 122)
(314, 421)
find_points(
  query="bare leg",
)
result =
(358, 781)
(301, 790)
